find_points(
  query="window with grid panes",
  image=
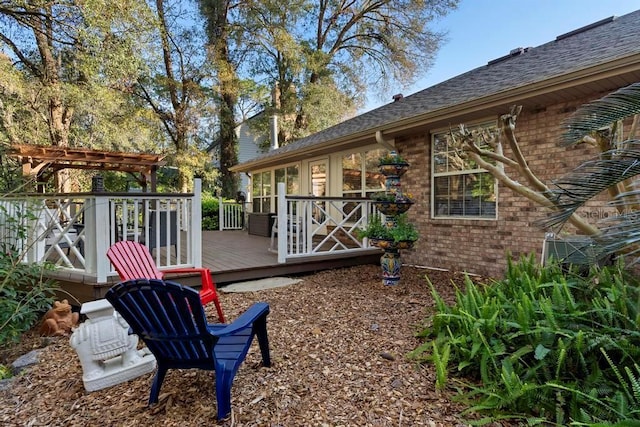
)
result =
(290, 176)
(460, 188)
(360, 175)
(261, 191)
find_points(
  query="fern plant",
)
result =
(524, 346)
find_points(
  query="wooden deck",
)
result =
(234, 256)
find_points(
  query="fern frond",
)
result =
(623, 384)
(635, 382)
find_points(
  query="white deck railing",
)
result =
(320, 226)
(74, 231)
(231, 215)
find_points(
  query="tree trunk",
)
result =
(228, 144)
(59, 116)
(216, 12)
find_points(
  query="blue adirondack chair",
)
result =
(170, 319)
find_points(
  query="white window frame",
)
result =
(461, 173)
(363, 191)
(273, 186)
(261, 197)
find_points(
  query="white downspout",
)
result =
(382, 141)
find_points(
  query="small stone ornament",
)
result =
(59, 320)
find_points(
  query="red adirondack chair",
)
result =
(132, 260)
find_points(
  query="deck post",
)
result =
(97, 237)
(220, 214)
(196, 223)
(282, 223)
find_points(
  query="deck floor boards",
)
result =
(235, 249)
(237, 255)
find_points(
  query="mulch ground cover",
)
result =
(339, 342)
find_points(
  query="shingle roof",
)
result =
(598, 43)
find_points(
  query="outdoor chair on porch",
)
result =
(171, 321)
(293, 233)
(132, 260)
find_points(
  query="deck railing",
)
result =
(231, 215)
(74, 231)
(320, 226)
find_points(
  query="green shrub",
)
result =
(542, 345)
(25, 295)
(210, 213)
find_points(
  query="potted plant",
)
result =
(392, 158)
(392, 165)
(396, 232)
(400, 234)
(404, 233)
(392, 203)
(377, 232)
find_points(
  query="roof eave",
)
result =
(337, 144)
(600, 72)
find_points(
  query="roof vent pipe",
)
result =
(273, 122)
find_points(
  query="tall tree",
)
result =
(59, 47)
(219, 31)
(320, 56)
(175, 85)
(325, 54)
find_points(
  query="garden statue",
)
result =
(108, 354)
(395, 232)
(59, 320)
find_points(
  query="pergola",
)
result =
(42, 162)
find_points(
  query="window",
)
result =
(261, 191)
(361, 176)
(460, 187)
(290, 177)
(264, 192)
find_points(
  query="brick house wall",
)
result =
(481, 246)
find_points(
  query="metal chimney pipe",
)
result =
(274, 131)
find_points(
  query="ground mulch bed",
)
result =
(338, 340)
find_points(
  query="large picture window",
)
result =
(460, 187)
